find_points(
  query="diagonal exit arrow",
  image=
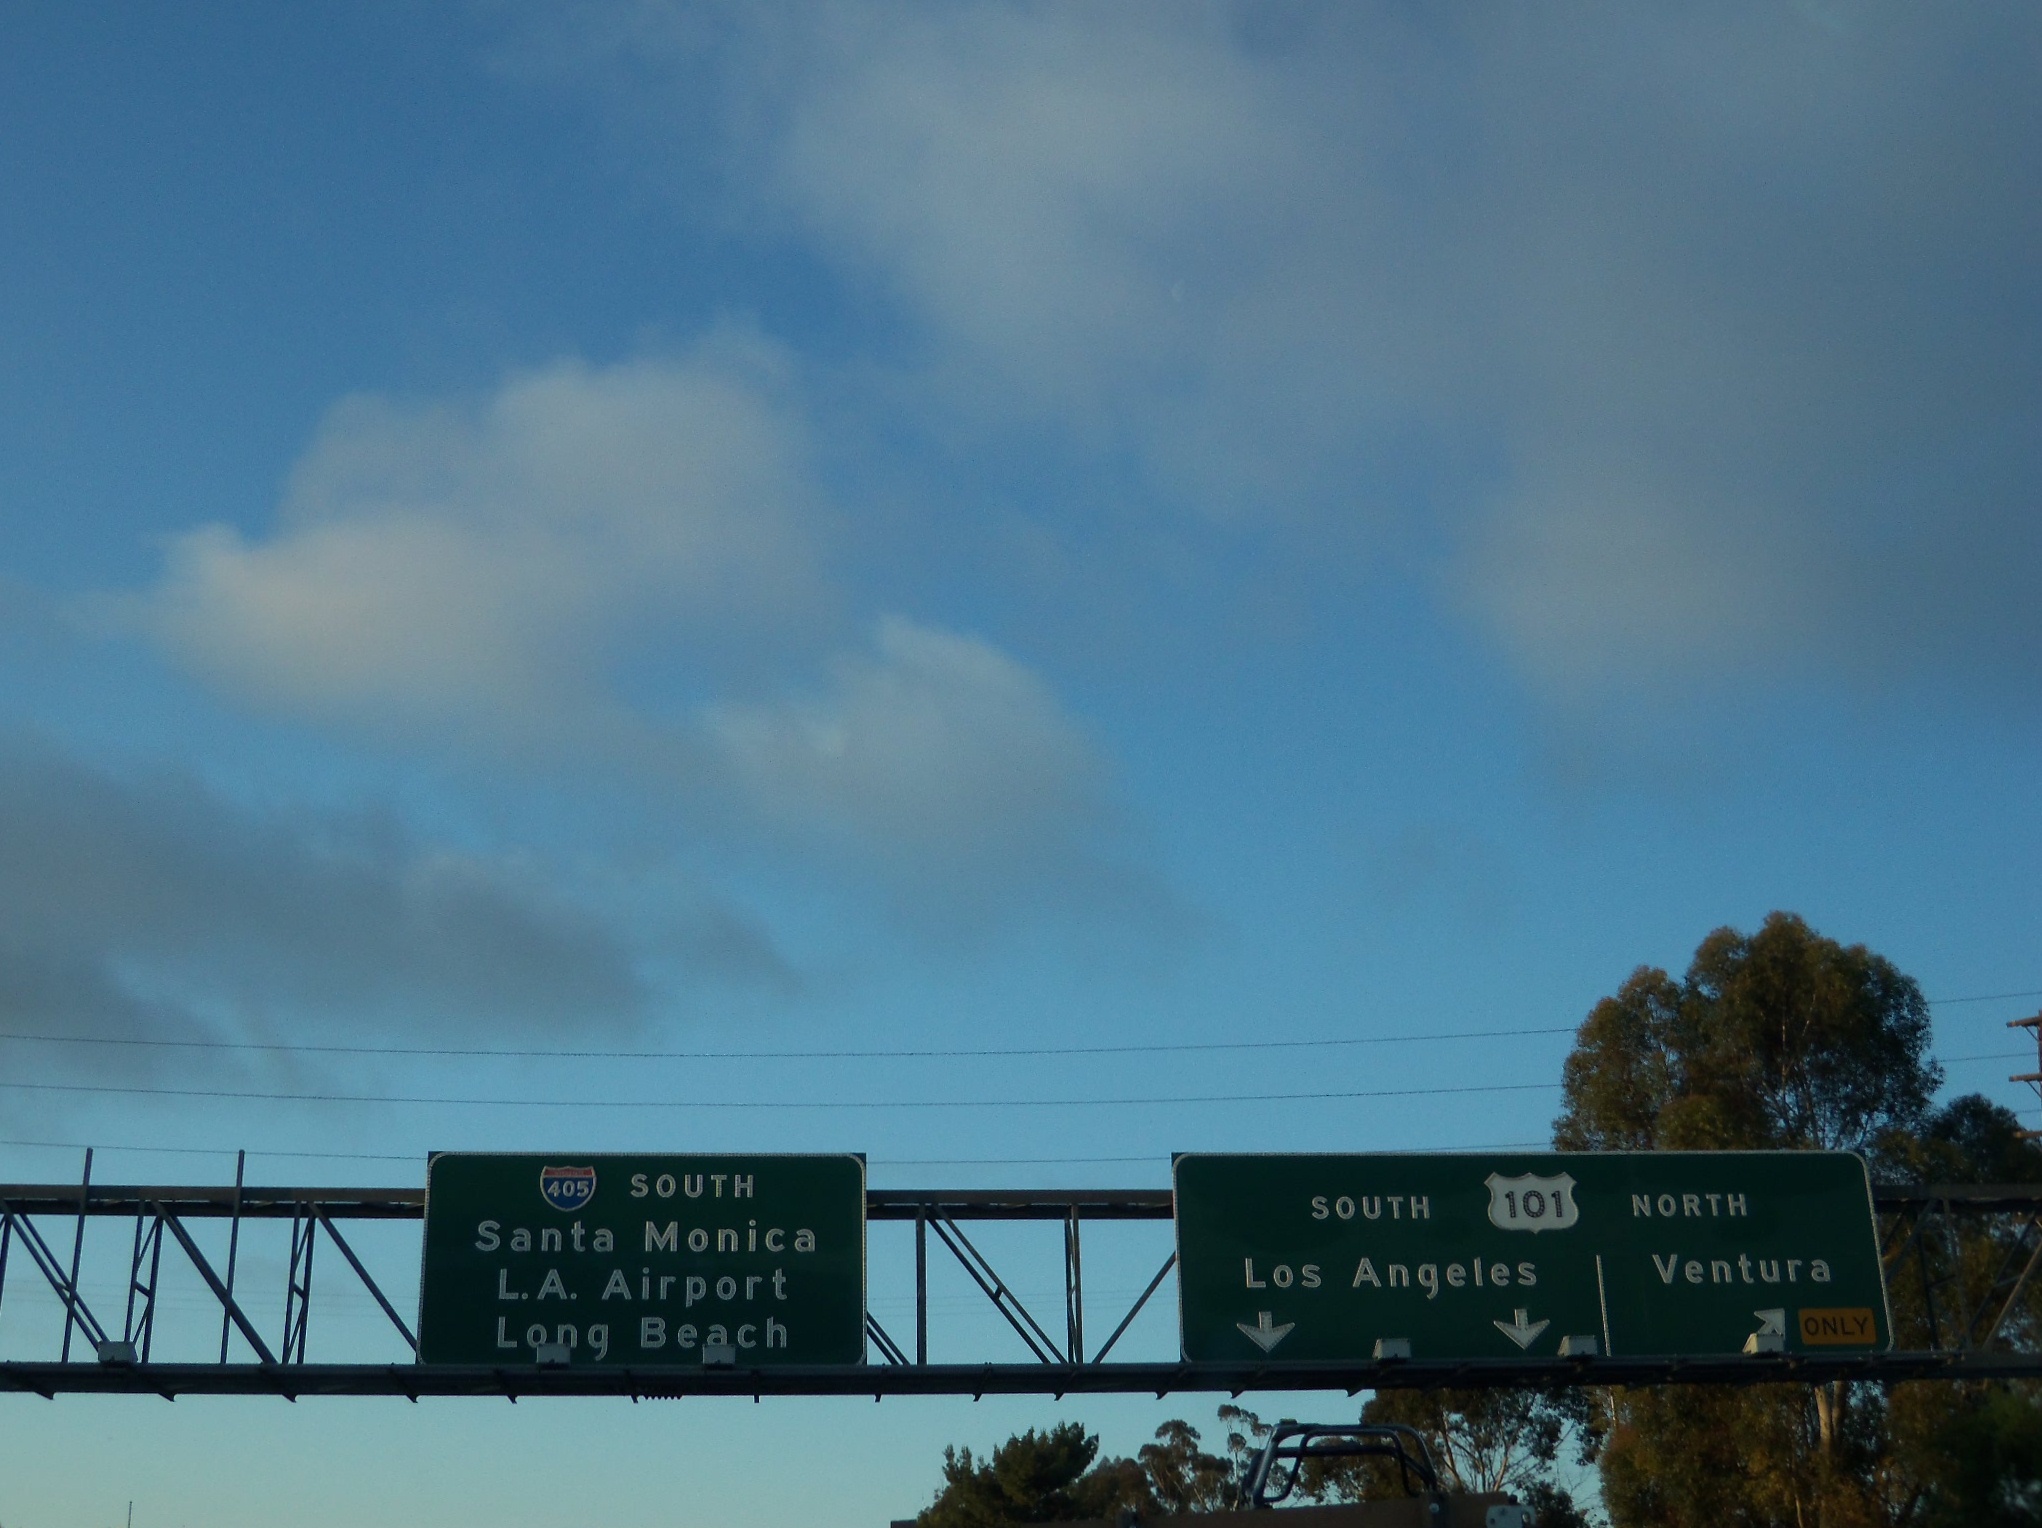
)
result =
(1520, 1331)
(1262, 1334)
(1771, 1323)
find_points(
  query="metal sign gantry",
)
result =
(112, 1347)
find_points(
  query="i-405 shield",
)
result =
(567, 1188)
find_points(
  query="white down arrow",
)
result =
(1262, 1334)
(1520, 1331)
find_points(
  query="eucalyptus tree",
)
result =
(1786, 1039)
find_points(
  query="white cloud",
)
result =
(1698, 339)
(931, 750)
(1033, 181)
(1611, 583)
(508, 573)
(1120, 221)
(476, 567)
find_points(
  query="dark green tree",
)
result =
(1058, 1476)
(1786, 1039)
(1048, 1477)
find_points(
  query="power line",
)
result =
(419, 1157)
(782, 1055)
(131, 1090)
(932, 1053)
(258, 1096)
(370, 1156)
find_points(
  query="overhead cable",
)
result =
(133, 1090)
(772, 1055)
(137, 1090)
(907, 1054)
(419, 1156)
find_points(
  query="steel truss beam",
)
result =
(1920, 1226)
(1920, 1241)
(207, 1202)
(295, 1380)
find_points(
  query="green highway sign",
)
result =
(643, 1261)
(1439, 1256)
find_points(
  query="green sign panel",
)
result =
(1642, 1253)
(643, 1261)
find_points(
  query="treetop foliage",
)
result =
(1779, 1039)
(1056, 1476)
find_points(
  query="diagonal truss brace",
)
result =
(1931, 1222)
(205, 1271)
(46, 1263)
(1127, 1320)
(140, 1333)
(362, 1273)
(1005, 1301)
(2016, 1288)
(298, 1285)
(882, 1340)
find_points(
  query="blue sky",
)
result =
(895, 529)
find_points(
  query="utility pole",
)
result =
(2033, 1024)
